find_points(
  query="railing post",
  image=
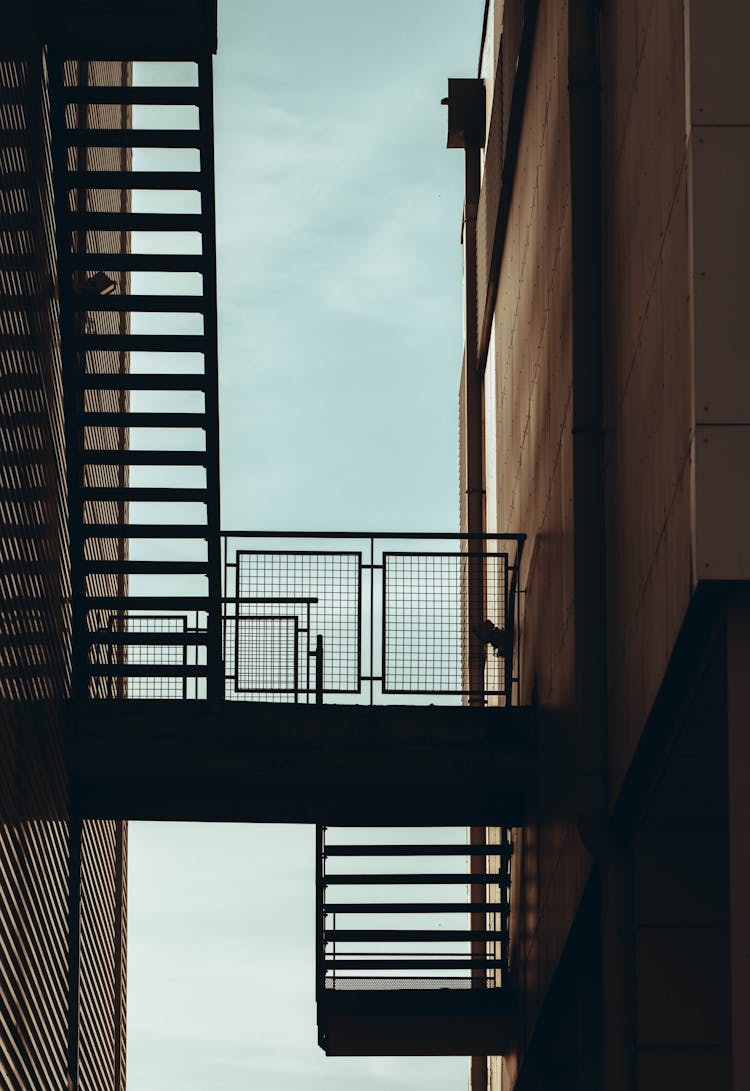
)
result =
(320, 920)
(319, 669)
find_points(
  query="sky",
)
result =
(340, 338)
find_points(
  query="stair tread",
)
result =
(134, 380)
(143, 530)
(161, 304)
(99, 457)
(136, 221)
(145, 493)
(140, 263)
(144, 95)
(143, 420)
(135, 138)
(136, 179)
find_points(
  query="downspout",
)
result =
(466, 129)
(590, 563)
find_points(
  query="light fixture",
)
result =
(489, 633)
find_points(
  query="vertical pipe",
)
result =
(474, 417)
(475, 517)
(320, 983)
(215, 667)
(590, 567)
(319, 669)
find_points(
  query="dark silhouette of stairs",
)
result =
(120, 639)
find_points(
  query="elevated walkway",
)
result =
(340, 765)
(338, 679)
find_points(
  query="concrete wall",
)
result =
(675, 163)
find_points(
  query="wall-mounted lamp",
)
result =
(498, 639)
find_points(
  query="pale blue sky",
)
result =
(338, 216)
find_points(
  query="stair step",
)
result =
(162, 304)
(412, 935)
(136, 179)
(138, 380)
(117, 603)
(465, 878)
(139, 263)
(143, 530)
(144, 494)
(147, 670)
(412, 907)
(417, 850)
(144, 420)
(412, 964)
(138, 342)
(95, 457)
(134, 138)
(135, 221)
(144, 568)
(135, 96)
(176, 639)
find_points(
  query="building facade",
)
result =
(62, 879)
(604, 411)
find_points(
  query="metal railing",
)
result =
(411, 909)
(337, 617)
(370, 618)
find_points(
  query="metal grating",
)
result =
(168, 687)
(322, 591)
(266, 654)
(373, 621)
(427, 601)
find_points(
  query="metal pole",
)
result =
(319, 669)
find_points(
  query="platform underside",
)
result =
(331, 764)
(415, 1023)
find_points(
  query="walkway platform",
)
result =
(331, 764)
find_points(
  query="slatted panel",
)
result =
(93, 142)
(34, 632)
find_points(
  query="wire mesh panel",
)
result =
(153, 655)
(427, 601)
(322, 592)
(267, 655)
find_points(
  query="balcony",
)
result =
(408, 962)
(353, 666)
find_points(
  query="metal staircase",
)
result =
(413, 936)
(158, 456)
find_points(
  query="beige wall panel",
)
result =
(719, 87)
(722, 514)
(720, 183)
(681, 980)
(688, 1070)
(679, 555)
(678, 387)
(677, 894)
(647, 357)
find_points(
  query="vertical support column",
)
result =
(121, 863)
(215, 676)
(474, 438)
(71, 394)
(75, 841)
(738, 721)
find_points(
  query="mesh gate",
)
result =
(283, 602)
(428, 599)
